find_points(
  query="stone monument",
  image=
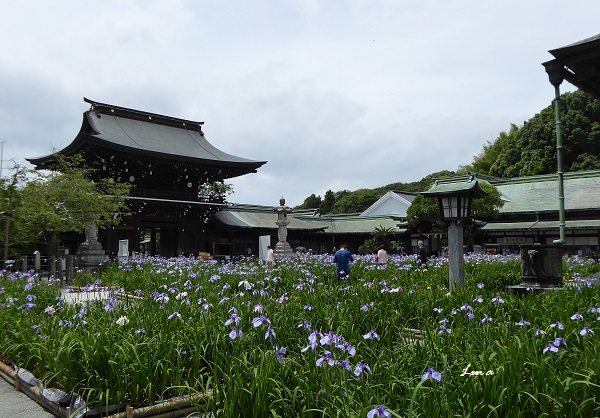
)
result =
(90, 254)
(282, 248)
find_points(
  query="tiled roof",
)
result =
(244, 216)
(539, 194)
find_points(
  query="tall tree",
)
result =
(64, 199)
(531, 149)
(311, 202)
(328, 202)
(356, 201)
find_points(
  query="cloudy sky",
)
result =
(334, 94)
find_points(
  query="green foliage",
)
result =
(421, 185)
(356, 201)
(210, 190)
(44, 204)
(531, 149)
(423, 212)
(156, 355)
(328, 202)
(487, 207)
(311, 202)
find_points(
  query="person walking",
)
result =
(270, 257)
(382, 256)
(422, 255)
(342, 258)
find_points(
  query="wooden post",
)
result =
(70, 269)
(129, 410)
(24, 264)
(52, 266)
(37, 261)
(59, 270)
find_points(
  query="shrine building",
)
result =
(170, 166)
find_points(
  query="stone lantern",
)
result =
(454, 197)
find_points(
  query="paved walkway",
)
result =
(14, 404)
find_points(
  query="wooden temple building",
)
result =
(168, 162)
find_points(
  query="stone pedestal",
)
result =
(541, 269)
(541, 265)
(90, 254)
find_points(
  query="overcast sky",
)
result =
(334, 94)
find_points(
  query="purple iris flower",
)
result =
(522, 323)
(65, 323)
(30, 298)
(593, 310)
(480, 285)
(344, 364)
(443, 321)
(431, 374)
(371, 335)
(478, 299)
(260, 320)
(279, 353)
(234, 319)
(366, 307)
(558, 325)
(311, 346)
(111, 305)
(470, 315)
(329, 338)
(362, 368)
(315, 336)
(576, 316)
(438, 310)
(50, 310)
(378, 413)
(270, 332)
(443, 330)
(486, 319)
(305, 325)
(550, 347)
(586, 331)
(258, 307)
(27, 306)
(282, 298)
(498, 299)
(325, 358)
(558, 341)
(174, 315)
(309, 308)
(140, 331)
(235, 333)
(344, 346)
(539, 332)
(224, 300)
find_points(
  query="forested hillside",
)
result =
(524, 150)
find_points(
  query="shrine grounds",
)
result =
(293, 340)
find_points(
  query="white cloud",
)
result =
(334, 95)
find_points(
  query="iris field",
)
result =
(391, 341)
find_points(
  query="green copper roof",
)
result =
(459, 186)
(539, 194)
(246, 216)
